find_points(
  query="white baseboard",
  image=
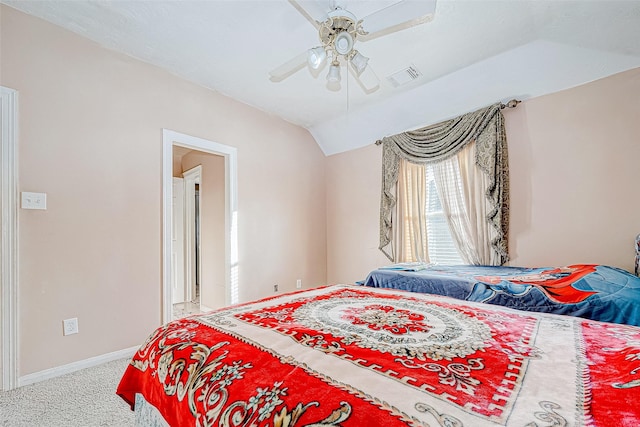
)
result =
(75, 366)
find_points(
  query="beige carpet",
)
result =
(81, 399)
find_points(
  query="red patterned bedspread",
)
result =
(351, 356)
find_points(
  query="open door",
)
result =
(177, 243)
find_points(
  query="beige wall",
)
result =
(574, 162)
(353, 214)
(90, 136)
(574, 158)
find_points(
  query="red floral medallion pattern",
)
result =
(385, 317)
(417, 361)
(471, 357)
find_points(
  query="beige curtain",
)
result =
(466, 207)
(442, 141)
(410, 242)
(446, 174)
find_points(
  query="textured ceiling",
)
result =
(473, 53)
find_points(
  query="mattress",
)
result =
(596, 292)
(347, 355)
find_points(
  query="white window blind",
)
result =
(442, 250)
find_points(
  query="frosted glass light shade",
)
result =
(316, 57)
(334, 74)
(343, 43)
(359, 62)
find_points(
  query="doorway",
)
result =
(196, 286)
(226, 257)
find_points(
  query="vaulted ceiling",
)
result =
(471, 54)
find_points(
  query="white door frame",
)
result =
(169, 139)
(9, 240)
(191, 177)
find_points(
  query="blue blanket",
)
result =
(595, 292)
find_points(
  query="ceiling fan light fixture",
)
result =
(359, 62)
(334, 73)
(316, 57)
(338, 31)
(343, 43)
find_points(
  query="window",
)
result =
(442, 249)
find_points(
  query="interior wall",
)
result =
(178, 154)
(574, 174)
(353, 214)
(573, 159)
(212, 221)
(90, 136)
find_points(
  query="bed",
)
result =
(596, 292)
(347, 355)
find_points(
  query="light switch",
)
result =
(34, 200)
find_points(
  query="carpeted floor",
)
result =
(85, 398)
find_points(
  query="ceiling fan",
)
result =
(339, 29)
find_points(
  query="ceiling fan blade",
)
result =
(399, 16)
(314, 10)
(368, 80)
(288, 68)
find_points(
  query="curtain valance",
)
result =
(440, 141)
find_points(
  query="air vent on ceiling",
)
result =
(405, 76)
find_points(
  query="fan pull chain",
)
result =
(347, 86)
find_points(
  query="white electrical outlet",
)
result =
(70, 326)
(34, 200)
(299, 283)
(275, 288)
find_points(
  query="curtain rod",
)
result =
(511, 104)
